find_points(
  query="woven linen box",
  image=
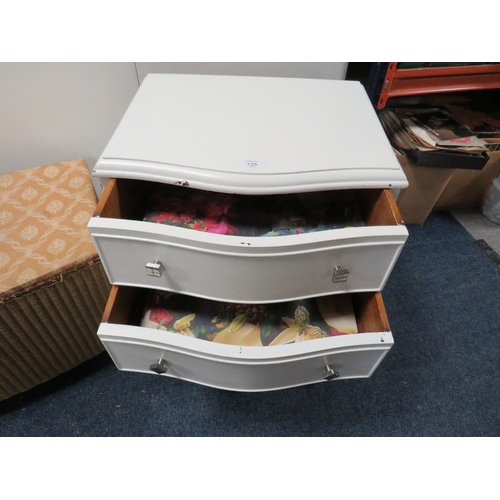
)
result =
(52, 286)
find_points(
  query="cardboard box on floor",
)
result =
(443, 188)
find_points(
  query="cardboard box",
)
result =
(426, 184)
(467, 188)
(443, 188)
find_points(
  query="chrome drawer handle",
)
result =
(330, 373)
(154, 269)
(341, 274)
(159, 367)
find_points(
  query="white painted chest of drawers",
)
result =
(250, 138)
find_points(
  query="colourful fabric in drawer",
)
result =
(43, 221)
(244, 215)
(250, 324)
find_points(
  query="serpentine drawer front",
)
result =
(171, 353)
(244, 268)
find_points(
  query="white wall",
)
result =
(322, 70)
(52, 112)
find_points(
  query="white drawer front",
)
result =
(241, 373)
(244, 364)
(248, 269)
(256, 275)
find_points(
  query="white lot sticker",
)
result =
(252, 163)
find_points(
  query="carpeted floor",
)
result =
(440, 378)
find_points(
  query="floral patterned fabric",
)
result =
(43, 220)
(250, 324)
(268, 215)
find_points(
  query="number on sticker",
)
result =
(251, 164)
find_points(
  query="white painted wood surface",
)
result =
(252, 135)
(246, 269)
(240, 368)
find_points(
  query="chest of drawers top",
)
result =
(251, 135)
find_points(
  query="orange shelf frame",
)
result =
(406, 82)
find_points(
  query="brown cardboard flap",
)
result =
(467, 188)
(426, 185)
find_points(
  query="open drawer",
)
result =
(242, 268)
(173, 350)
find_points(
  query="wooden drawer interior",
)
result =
(126, 199)
(126, 304)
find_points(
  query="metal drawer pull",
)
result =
(159, 367)
(330, 373)
(340, 274)
(154, 269)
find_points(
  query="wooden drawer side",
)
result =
(124, 306)
(370, 312)
(123, 199)
(379, 208)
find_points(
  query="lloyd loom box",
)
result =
(52, 285)
(243, 195)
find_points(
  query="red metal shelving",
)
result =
(430, 80)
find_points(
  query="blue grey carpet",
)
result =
(440, 378)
